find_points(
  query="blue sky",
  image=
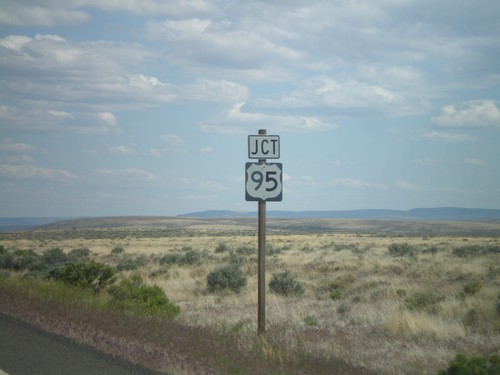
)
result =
(143, 107)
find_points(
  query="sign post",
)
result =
(263, 182)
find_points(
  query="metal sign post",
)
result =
(263, 182)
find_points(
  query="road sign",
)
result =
(263, 146)
(264, 181)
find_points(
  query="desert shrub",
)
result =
(234, 259)
(78, 254)
(480, 320)
(86, 275)
(424, 302)
(222, 248)
(22, 253)
(285, 284)
(190, 257)
(54, 256)
(2, 249)
(27, 260)
(227, 277)
(430, 250)
(311, 321)
(4, 274)
(401, 249)
(467, 251)
(246, 250)
(131, 264)
(6, 260)
(170, 259)
(307, 249)
(472, 287)
(336, 294)
(132, 295)
(117, 250)
(473, 366)
(492, 249)
(343, 308)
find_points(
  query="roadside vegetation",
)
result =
(337, 302)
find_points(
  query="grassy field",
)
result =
(389, 297)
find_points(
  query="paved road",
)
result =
(25, 349)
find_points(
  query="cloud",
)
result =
(21, 118)
(325, 93)
(481, 113)
(123, 150)
(237, 121)
(14, 13)
(408, 186)
(127, 173)
(426, 161)
(213, 91)
(21, 148)
(308, 181)
(448, 137)
(108, 118)
(172, 139)
(221, 43)
(94, 74)
(357, 184)
(31, 171)
(206, 150)
(474, 161)
(54, 13)
(154, 7)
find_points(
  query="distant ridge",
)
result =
(438, 214)
(8, 224)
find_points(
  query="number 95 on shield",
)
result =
(264, 182)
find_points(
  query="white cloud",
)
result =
(325, 93)
(153, 7)
(54, 13)
(127, 173)
(235, 120)
(448, 137)
(21, 148)
(108, 118)
(32, 171)
(172, 139)
(55, 120)
(123, 150)
(206, 150)
(408, 186)
(308, 181)
(15, 42)
(474, 161)
(14, 13)
(213, 91)
(482, 113)
(426, 161)
(223, 43)
(357, 184)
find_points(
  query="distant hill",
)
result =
(9, 224)
(438, 214)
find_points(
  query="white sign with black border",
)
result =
(263, 146)
(264, 182)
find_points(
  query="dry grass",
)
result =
(393, 315)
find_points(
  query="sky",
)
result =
(144, 107)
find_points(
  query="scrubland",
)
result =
(402, 300)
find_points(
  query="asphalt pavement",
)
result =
(27, 350)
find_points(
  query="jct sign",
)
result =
(263, 182)
(263, 146)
